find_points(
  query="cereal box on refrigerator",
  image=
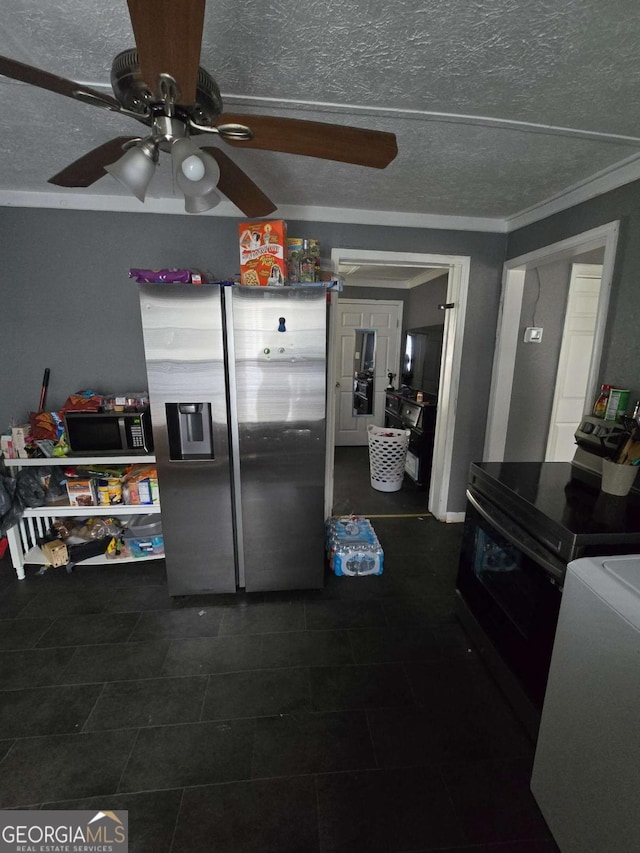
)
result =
(262, 252)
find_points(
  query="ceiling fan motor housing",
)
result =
(133, 93)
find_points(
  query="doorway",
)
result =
(380, 321)
(505, 384)
(572, 376)
(456, 267)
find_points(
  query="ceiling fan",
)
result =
(160, 84)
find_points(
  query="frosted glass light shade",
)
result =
(200, 203)
(134, 170)
(193, 168)
(182, 151)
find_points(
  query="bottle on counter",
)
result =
(600, 406)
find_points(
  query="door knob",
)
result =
(337, 385)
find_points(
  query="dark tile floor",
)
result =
(355, 718)
(353, 493)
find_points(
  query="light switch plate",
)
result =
(532, 335)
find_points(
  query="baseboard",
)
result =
(455, 517)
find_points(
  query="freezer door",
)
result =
(279, 341)
(184, 348)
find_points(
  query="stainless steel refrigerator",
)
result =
(237, 387)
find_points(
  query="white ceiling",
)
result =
(386, 275)
(540, 96)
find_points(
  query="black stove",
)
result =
(561, 505)
(524, 522)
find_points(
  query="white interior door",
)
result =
(386, 318)
(574, 361)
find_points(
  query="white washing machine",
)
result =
(586, 773)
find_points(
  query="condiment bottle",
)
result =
(600, 406)
(307, 263)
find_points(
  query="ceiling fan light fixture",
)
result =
(135, 169)
(193, 168)
(201, 203)
(183, 150)
(210, 173)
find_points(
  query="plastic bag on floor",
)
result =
(10, 510)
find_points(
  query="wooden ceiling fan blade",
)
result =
(168, 36)
(44, 80)
(356, 145)
(90, 168)
(239, 188)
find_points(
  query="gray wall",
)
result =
(69, 305)
(420, 304)
(621, 351)
(422, 308)
(537, 364)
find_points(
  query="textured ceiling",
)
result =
(569, 64)
(388, 275)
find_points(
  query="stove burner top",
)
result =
(560, 504)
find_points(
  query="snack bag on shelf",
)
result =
(141, 485)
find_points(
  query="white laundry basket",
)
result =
(387, 455)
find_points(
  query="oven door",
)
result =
(512, 586)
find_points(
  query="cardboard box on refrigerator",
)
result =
(263, 253)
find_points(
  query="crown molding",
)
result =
(617, 175)
(175, 206)
(624, 172)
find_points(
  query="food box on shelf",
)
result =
(143, 536)
(81, 492)
(132, 401)
(144, 492)
(19, 436)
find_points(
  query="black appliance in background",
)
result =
(402, 412)
(363, 394)
(524, 522)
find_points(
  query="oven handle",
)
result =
(547, 565)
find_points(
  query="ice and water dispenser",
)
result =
(189, 431)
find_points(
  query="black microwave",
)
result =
(97, 433)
